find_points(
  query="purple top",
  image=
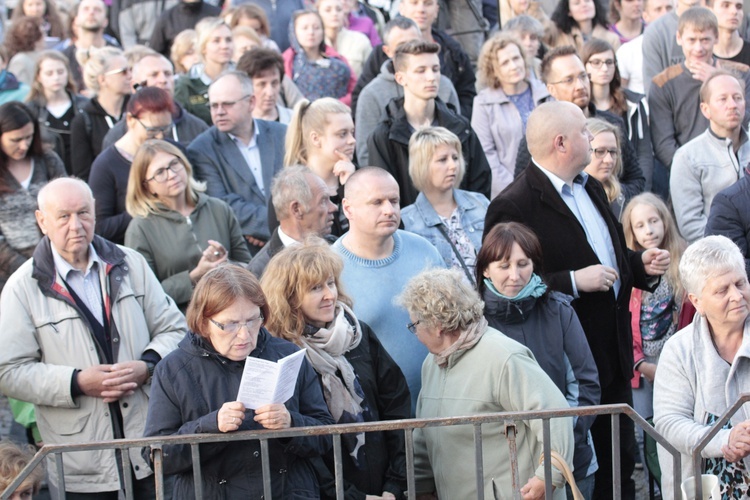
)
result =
(364, 24)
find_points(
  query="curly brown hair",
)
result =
(23, 35)
(486, 74)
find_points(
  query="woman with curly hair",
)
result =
(575, 22)
(501, 108)
(24, 40)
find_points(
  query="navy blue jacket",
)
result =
(189, 387)
(730, 216)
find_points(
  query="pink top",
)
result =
(364, 24)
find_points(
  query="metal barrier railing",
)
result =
(508, 419)
(715, 428)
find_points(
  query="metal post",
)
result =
(60, 474)
(338, 464)
(158, 458)
(195, 454)
(616, 472)
(266, 461)
(410, 482)
(127, 473)
(546, 441)
(479, 459)
(510, 433)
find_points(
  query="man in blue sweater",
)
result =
(379, 259)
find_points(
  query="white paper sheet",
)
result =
(266, 382)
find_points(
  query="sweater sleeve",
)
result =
(663, 133)
(686, 191)
(478, 176)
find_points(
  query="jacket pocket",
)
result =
(67, 422)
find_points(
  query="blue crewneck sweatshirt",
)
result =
(374, 284)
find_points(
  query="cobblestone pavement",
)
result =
(6, 421)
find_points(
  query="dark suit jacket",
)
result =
(217, 160)
(258, 264)
(532, 200)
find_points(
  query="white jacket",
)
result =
(45, 338)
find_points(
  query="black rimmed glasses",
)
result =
(597, 63)
(412, 327)
(161, 175)
(601, 153)
(233, 327)
(155, 132)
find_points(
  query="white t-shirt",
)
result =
(630, 63)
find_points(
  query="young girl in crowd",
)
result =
(626, 18)
(316, 68)
(647, 223)
(253, 16)
(321, 137)
(46, 10)
(13, 459)
(606, 162)
(54, 100)
(352, 45)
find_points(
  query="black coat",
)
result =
(531, 199)
(189, 387)
(183, 16)
(87, 134)
(730, 216)
(389, 149)
(631, 178)
(386, 398)
(454, 63)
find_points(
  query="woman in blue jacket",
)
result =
(195, 388)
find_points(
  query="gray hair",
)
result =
(291, 184)
(246, 84)
(525, 24)
(400, 22)
(706, 258)
(43, 197)
(442, 298)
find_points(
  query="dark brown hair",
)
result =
(15, 115)
(23, 35)
(617, 101)
(412, 48)
(549, 58)
(253, 62)
(498, 244)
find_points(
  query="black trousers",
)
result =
(619, 391)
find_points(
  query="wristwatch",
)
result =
(150, 366)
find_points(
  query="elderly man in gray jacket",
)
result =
(714, 160)
(83, 324)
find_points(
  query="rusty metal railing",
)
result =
(698, 450)
(507, 419)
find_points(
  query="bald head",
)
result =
(63, 185)
(360, 180)
(557, 138)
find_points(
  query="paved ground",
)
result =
(15, 432)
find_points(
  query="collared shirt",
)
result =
(286, 240)
(86, 284)
(251, 153)
(597, 233)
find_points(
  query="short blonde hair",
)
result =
(422, 147)
(290, 275)
(183, 43)
(441, 298)
(139, 202)
(13, 459)
(487, 62)
(612, 186)
(205, 29)
(95, 63)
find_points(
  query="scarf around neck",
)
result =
(325, 350)
(534, 288)
(466, 340)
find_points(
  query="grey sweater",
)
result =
(660, 49)
(376, 96)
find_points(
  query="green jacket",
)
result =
(496, 375)
(172, 244)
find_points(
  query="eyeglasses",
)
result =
(154, 132)
(412, 327)
(160, 175)
(582, 77)
(117, 71)
(214, 106)
(602, 153)
(234, 327)
(597, 63)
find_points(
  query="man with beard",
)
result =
(714, 160)
(89, 22)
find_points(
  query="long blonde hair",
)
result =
(612, 185)
(672, 241)
(289, 276)
(309, 117)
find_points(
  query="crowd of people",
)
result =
(454, 208)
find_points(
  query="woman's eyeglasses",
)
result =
(412, 327)
(154, 132)
(160, 175)
(602, 152)
(117, 71)
(597, 63)
(234, 326)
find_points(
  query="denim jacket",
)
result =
(422, 219)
